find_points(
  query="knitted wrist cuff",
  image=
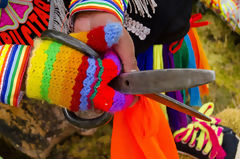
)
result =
(54, 70)
(13, 62)
(63, 76)
(115, 7)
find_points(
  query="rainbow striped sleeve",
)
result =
(13, 62)
(116, 7)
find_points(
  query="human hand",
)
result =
(85, 21)
(66, 77)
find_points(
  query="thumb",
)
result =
(126, 52)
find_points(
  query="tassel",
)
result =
(195, 99)
(58, 14)
(141, 6)
(201, 59)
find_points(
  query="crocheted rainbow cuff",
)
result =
(13, 62)
(65, 77)
(115, 7)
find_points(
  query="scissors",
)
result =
(149, 83)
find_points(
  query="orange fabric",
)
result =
(200, 57)
(142, 132)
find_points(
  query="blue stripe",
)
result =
(195, 99)
(125, 5)
(6, 75)
(73, 5)
(87, 84)
(145, 59)
(103, 1)
(11, 72)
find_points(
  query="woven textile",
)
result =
(116, 7)
(13, 61)
(65, 77)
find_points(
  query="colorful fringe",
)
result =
(190, 55)
(115, 7)
(13, 62)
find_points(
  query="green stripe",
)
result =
(126, 2)
(99, 80)
(14, 73)
(52, 51)
(101, 4)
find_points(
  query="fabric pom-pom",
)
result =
(113, 31)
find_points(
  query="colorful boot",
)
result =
(207, 140)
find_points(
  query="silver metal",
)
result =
(86, 123)
(166, 80)
(176, 105)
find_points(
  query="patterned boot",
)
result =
(207, 140)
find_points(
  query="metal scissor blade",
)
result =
(166, 80)
(176, 105)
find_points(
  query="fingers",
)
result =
(126, 52)
(86, 21)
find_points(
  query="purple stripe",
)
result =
(177, 119)
(118, 102)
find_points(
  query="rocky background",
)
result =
(37, 130)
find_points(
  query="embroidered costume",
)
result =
(163, 37)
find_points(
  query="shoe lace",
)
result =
(206, 136)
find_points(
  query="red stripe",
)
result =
(106, 93)
(1, 50)
(4, 63)
(21, 75)
(19, 37)
(79, 84)
(14, 37)
(94, 8)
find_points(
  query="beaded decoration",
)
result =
(64, 76)
(13, 62)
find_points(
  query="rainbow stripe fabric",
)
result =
(13, 62)
(116, 7)
(65, 77)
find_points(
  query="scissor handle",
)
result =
(86, 123)
(84, 48)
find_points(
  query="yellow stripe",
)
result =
(99, 7)
(158, 64)
(157, 57)
(82, 36)
(17, 74)
(62, 81)
(3, 55)
(69, 80)
(36, 68)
